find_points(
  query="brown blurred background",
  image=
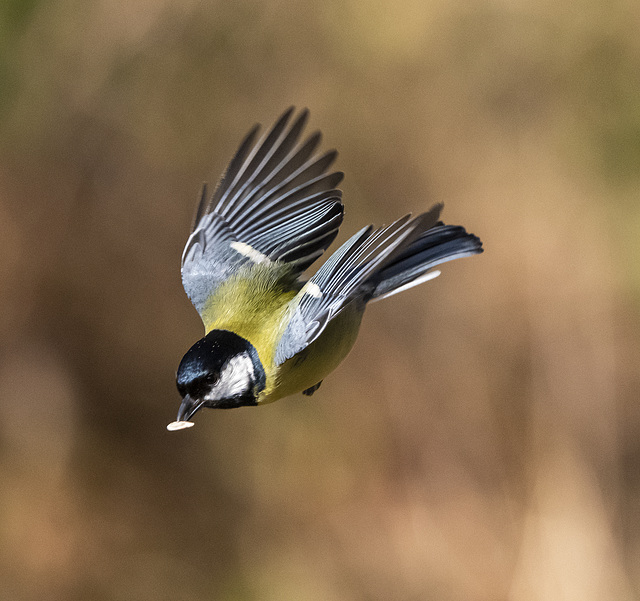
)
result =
(480, 443)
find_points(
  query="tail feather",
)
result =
(437, 245)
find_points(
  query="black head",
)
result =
(221, 371)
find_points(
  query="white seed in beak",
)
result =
(179, 426)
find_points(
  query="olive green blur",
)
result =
(482, 440)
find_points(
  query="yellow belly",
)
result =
(254, 304)
(318, 360)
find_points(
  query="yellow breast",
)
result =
(252, 304)
(318, 360)
(256, 304)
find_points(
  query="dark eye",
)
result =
(200, 386)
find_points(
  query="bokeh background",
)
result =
(482, 440)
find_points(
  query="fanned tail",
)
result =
(412, 266)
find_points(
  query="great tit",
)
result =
(269, 333)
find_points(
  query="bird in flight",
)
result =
(269, 333)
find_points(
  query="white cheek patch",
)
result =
(248, 251)
(235, 378)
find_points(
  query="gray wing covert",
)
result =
(345, 278)
(275, 202)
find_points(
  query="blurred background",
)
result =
(480, 443)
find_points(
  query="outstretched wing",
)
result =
(275, 202)
(344, 278)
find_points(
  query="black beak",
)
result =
(188, 408)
